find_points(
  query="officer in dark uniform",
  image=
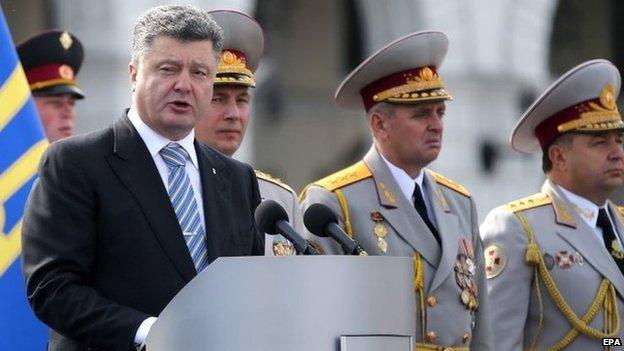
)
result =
(51, 61)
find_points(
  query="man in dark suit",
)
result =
(122, 219)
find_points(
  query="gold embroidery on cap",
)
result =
(425, 80)
(597, 116)
(230, 63)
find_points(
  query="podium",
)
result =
(304, 303)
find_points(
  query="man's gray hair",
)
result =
(181, 22)
(383, 107)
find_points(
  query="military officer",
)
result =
(554, 259)
(393, 205)
(51, 61)
(225, 125)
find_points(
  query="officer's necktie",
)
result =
(610, 239)
(419, 204)
(183, 200)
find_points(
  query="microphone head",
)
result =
(317, 217)
(267, 213)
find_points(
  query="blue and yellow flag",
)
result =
(22, 143)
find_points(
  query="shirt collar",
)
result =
(585, 208)
(155, 142)
(406, 183)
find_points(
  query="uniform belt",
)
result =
(434, 347)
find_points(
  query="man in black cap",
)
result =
(51, 61)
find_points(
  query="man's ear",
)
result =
(133, 70)
(558, 156)
(377, 124)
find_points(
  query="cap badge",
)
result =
(596, 116)
(66, 40)
(66, 72)
(607, 97)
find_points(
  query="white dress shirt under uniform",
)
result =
(407, 185)
(589, 212)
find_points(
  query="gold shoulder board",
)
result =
(535, 200)
(347, 176)
(272, 179)
(440, 179)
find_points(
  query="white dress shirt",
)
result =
(155, 142)
(407, 186)
(589, 212)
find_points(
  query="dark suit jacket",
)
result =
(102, 247)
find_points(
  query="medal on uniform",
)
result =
(549, 261)
(578, 258)
(465, 270)
(283, 248)
(380, 230)
(564, 259)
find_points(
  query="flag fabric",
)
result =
(22, 142)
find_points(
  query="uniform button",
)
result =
(431, 336)
(431, 301)
(466, 337)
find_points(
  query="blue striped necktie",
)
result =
(183, 200)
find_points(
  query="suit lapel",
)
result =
(217, 209)
(583, 239)
(399, 212)
(133, 164)
(448, 228)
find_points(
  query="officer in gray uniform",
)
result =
(554, 260)
(392, 205)
(225, 125)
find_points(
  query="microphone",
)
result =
(271, 218)
(322, 221)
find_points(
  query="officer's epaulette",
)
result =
(440, 179)
(272, 179)
(345, 177)
(535, 200)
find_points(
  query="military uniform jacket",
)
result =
(384, 222)
(274, 189)
(574, 256)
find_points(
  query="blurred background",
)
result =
(502, 54)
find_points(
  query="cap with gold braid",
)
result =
(51, 61)
(582, 100)
(403, 72)
(243, 45)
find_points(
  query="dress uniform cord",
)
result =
(344, 207)
(605, 296)
(540, 302)
(419, 286)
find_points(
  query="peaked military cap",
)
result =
(51, 61)
(243, 45)
(582, 100)
(403, 72)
